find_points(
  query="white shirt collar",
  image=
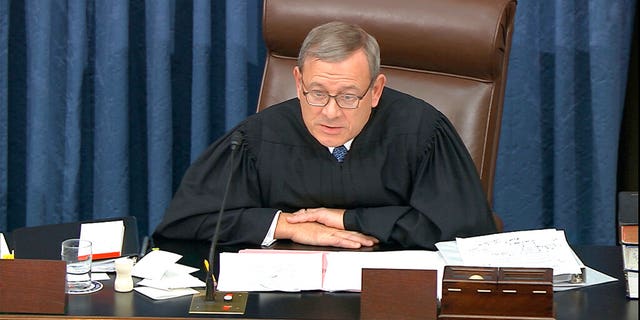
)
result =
(346, 145)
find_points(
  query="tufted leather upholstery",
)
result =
(451, 53)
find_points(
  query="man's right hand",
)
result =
(316, 234)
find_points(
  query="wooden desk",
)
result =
(605, 301)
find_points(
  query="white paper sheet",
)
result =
(159, 294)
(4, 248)
(344, 269)
(99, 276)
(173, 281)
(268, 271)
(154, 264)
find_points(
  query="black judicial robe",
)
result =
(407, 180)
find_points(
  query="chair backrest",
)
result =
(43, 242)
(450, 53)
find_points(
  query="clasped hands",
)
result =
(320, 227)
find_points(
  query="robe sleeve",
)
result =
(446, 200)
(195, 207)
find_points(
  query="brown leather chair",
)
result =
(450, 53)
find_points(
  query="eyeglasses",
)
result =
(319, 98)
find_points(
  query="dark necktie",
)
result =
(340, 152)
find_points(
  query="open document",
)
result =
(293, 270)
(545, 248)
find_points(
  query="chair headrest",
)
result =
(414, 34)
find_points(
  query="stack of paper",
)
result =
(163, 278)
(546, 248)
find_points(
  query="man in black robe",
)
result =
(407, 178)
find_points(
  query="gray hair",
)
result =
(336, 41)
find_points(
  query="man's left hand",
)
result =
(328, 217)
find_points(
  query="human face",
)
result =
(331, 125)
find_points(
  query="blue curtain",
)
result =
(562, 116)
(104, 103)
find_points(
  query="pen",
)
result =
(213, 277)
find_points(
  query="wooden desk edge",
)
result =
(66, 317)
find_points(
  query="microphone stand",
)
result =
(211, 283)
(212, 301)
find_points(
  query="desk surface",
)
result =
(604, 301)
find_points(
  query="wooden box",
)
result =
(497, 293)
(398, 294)
(32, 286)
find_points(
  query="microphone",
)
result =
(211, 283)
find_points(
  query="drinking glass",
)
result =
(77, 254)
